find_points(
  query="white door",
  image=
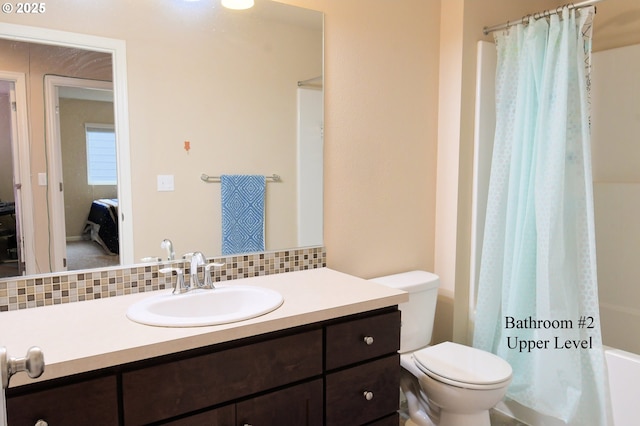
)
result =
(21, 171)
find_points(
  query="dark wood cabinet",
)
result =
(363, 370)
(362, 339)
(223, 416)
(170, 389)
(342, 371)
(90, 402)
(300, 405)
(363, 393)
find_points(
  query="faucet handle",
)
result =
(208, 282)
(179, 287)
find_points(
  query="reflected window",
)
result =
(101, 154)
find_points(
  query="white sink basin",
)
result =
(221, 305)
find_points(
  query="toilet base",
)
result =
(432, 403)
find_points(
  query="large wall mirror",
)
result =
(169, 92)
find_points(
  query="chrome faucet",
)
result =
(208, 282)
(179, 287)
(168, 245)
(196, 259)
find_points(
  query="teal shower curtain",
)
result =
(537, 302)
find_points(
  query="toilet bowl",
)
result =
(447, 384)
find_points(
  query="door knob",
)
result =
(32, 363)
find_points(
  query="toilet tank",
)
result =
(418, 313)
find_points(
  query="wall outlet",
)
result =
(165, 183)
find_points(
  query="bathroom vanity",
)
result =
(326, 356)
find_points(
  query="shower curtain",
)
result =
(537, 304)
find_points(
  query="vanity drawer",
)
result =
(223, 416)
(299, 405)
(348, 401)
(91, 402)
(163, 391)
(362, 339)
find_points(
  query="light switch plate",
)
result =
(42, 179)
(165, 183)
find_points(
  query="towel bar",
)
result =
(209, 179)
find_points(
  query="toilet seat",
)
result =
(463, 366)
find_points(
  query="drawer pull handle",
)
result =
(368, 340)
(368, 395)
(41, 423)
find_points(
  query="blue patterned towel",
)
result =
(242, 213)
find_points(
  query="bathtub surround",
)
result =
(616, 180)
(538, 254)
(18, 293)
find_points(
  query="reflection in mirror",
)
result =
(230, 104)
(85, 143)
(10, 228)
(35, 227)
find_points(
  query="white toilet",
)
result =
(447, 384)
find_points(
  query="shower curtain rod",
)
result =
(310, 82)
(538, 15)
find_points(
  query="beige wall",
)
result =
(381, 95)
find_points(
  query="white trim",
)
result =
(117, 48)
(22, 171)
(484, 128)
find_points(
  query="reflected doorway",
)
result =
(10, 264)
(16, 213)
(83, 152)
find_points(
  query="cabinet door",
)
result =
(169, 390)
(298, 405)
(364, 393)
(93, 402)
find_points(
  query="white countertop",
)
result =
(84, 336)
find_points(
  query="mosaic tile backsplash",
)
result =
(32, 292)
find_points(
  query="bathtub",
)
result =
(624, 377)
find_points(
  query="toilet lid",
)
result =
(462, 364)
